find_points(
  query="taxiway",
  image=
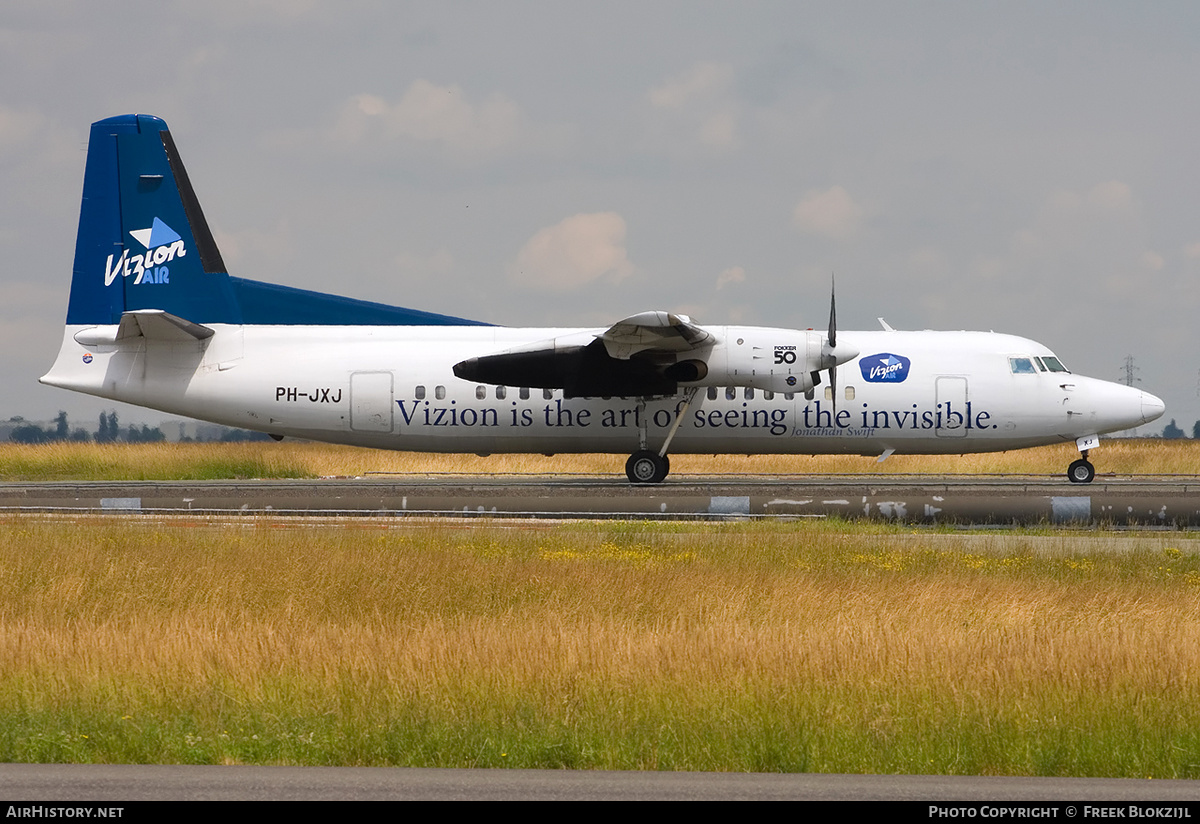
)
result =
(1160, 501)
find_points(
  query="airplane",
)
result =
(155, 319)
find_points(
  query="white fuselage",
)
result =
(393, 387)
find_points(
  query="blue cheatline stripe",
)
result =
(271, 304)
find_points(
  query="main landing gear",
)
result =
(647, 466)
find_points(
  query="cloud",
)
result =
(427, 267)
(579, 250)
(734, 274)
(831, 213)
(1100, 225)
(1152, 261)
(1112, 198)
(701, 82)
(1112, 195)
(697, 105)
(18, 128)
(250, 249)
(433, 114)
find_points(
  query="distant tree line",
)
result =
(1172, 432)
(109, 431)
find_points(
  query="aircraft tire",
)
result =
(646, 467)
(1081, 472)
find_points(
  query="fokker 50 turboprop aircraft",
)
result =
(154, 319)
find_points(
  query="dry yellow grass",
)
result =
(298, 459)
(754, 646)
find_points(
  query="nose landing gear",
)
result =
(1081, 471)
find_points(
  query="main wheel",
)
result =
(1081, 472)
(646, 467)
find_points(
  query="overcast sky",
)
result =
(1024, 167)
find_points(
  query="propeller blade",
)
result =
(832, 313)
(833, 341)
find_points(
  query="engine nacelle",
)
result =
(780, 360)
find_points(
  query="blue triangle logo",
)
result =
(161, 234)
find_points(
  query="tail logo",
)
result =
(163, 244)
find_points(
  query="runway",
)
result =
(118, 783)
(1141, 501)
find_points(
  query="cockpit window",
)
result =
(1041, 366)
(1021, 366)
(1054, 364)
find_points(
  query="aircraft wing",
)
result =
(657, 332)
(644, 354)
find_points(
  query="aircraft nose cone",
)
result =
(1152, 407)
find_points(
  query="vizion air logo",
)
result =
(884, 368)
(163, 244)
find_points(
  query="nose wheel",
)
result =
(1081, 472)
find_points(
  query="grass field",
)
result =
(290, 459)
(818, 646)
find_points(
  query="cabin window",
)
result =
(849, 393)
(439, 392)
(768, 394)
(524, 393)
(749, 393)
(809, 395)
(548, 394)
(1055, 365)
(420, 393)
(712, 393)
(787, 396)
(501, 393)
(481, 393)
(828, 393)
(730, 393)
(1021, 366)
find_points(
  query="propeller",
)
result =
(831, 353)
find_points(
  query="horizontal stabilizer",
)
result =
(155, 324)
(148, 324)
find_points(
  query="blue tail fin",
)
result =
(143, 242)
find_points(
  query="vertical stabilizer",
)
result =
(143, 241)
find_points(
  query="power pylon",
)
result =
(1131, 371)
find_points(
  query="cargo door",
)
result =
(371, 401)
